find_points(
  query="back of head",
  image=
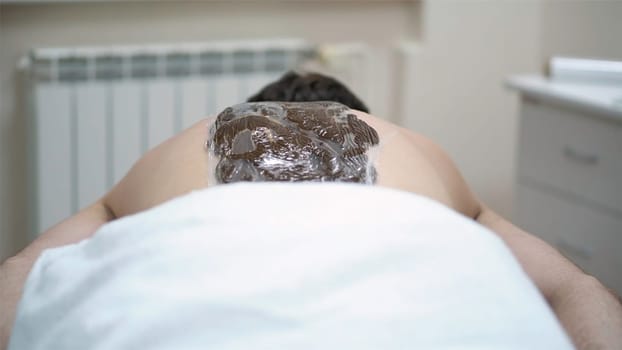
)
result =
(293, 87)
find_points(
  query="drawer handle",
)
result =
(579, 252)
(580, 157)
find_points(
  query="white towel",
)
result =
(286, 266)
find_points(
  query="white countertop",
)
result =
(603, 99)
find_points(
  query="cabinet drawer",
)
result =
(591, 239)
(575, 153)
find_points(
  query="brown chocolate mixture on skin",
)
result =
(281, 141)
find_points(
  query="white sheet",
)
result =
(286, 266)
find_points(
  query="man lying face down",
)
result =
(281, 139)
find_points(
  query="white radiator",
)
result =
(97, 110)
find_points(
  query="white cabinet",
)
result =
(588, 237)
(569, 175)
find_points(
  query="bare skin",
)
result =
(407, 161)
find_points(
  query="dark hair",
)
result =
(293, 87)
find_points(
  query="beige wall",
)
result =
(455, 86)
(23, 27)
(467, 49)
(453, 92)
(582, 28)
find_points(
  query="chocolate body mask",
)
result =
(282, 141)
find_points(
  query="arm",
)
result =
(14, 271)
(163, 173)
(590, 313)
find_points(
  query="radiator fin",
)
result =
(97, 110)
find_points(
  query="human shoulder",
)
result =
(176, 166)
(462, 198)
(432, 158)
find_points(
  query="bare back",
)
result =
(404, 161)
